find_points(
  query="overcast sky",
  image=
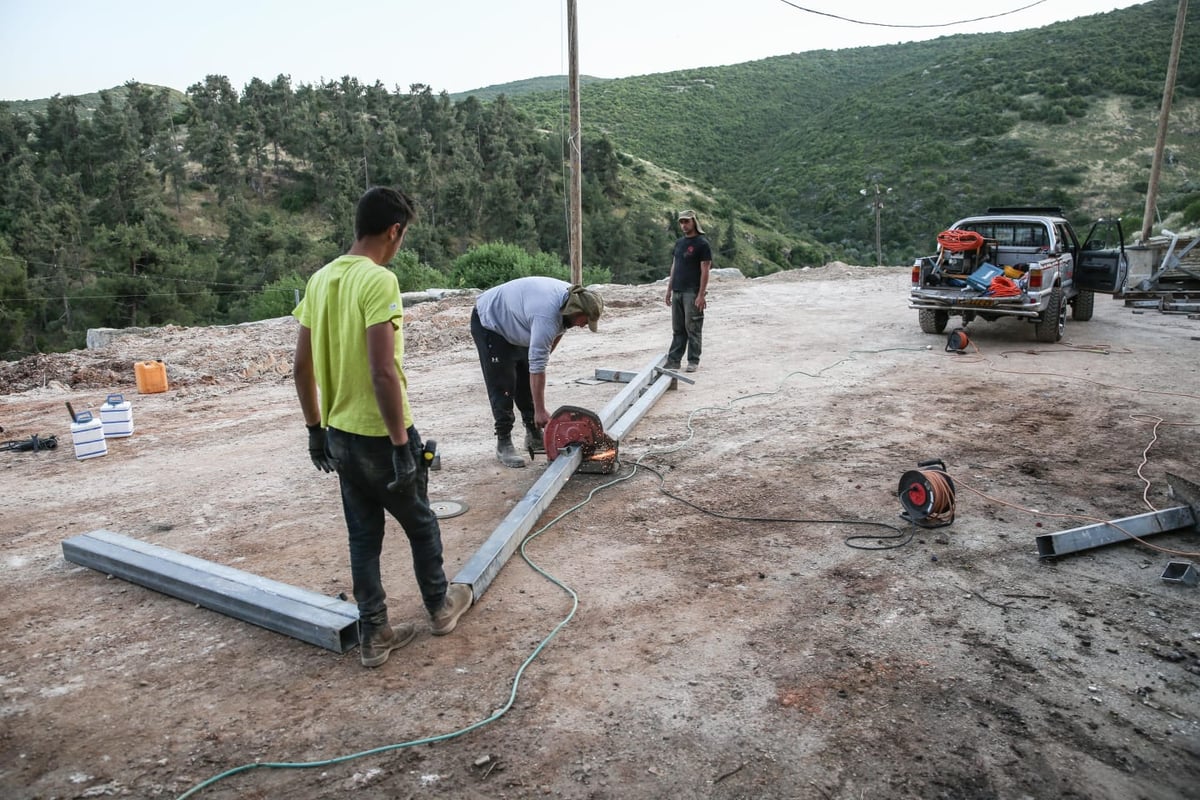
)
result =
(79, 46)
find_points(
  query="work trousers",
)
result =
(364, 468)
(506, 375)
(687, 325)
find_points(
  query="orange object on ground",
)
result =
(151, 376)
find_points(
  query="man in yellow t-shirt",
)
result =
(349, 376)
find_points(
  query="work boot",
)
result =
(505, 452)
(693, 366)
(671, 365)
(376, 643)
(458, 600)
(535, 441)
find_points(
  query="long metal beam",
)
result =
(311, 617)
(1120, 530)
(481, 568)
(630, 394)
(326, 621)
(617, 419)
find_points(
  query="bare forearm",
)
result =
(537, 388)
(305, 379)
(385, 379)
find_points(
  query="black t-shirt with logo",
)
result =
(690, 251)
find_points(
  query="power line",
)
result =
(892, 25)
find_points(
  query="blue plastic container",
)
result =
(981, 278)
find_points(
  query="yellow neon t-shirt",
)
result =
(343, 299)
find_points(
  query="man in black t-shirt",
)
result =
(687, 286)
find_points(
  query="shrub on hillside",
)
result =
(492, 264)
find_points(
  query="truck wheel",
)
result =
(1054, 319)
(1083, 306)
(933, 321)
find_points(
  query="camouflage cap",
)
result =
(584, 301)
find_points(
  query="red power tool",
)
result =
(571, 425)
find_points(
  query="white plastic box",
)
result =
(87, 432)
(116, 415)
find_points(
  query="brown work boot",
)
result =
(505, 452)
(458, 600)
(377, 643)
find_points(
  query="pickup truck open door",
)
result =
(1103, 266)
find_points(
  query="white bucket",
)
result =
(116, 415)
(88, 434)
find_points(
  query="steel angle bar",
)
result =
(1119, 530)
(308, 616)
(615, 375)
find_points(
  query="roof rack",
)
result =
(1040, 211)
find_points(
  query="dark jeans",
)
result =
(506, 375)
(687, 324)
(364, 471)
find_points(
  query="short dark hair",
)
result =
(380, 208)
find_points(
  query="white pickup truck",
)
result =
(1041, 266)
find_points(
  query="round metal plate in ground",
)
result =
(447, 508)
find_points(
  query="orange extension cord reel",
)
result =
(927, 494)
(960, 241)
(957, 341)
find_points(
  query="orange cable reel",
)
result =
(957, 241)
(958, 341)
(927, 494)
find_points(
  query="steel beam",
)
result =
(615, 375)
(326, 621)
(311, 617)
(1120, 530)
(621, 427)
(630, 394)
(617, 419)
(481, 569)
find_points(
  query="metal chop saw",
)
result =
(574, 426)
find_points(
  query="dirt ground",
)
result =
(730, 640)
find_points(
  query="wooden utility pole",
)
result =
(1164, 115)
(575, 228)
(878, 240)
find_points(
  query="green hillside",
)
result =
(141, 205)
(88, 103)
(1062, 115)
(546, 83)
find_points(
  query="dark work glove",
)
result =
(405, 466)
(316, 449)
